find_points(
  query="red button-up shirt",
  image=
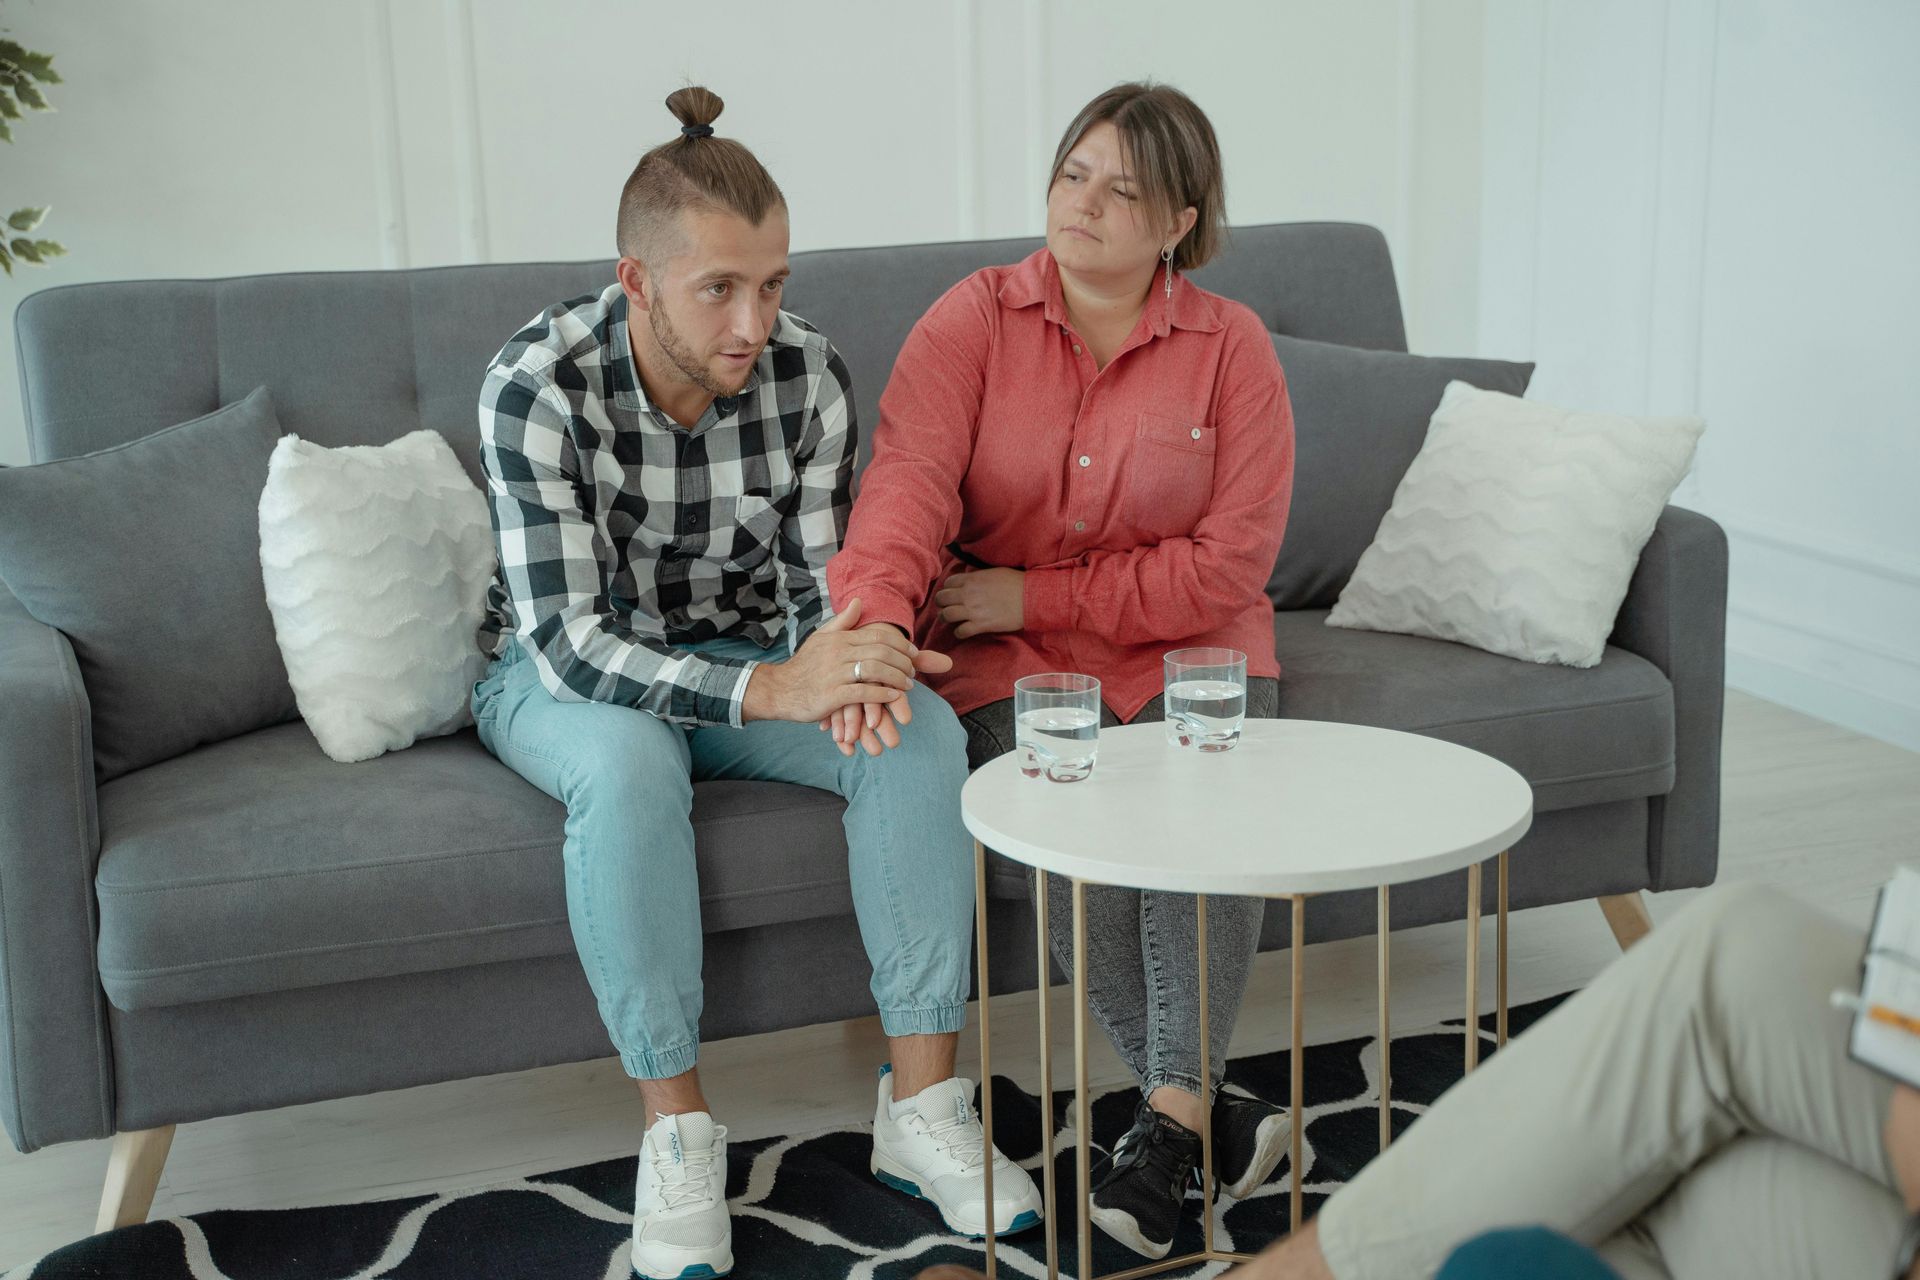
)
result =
(1145, 500)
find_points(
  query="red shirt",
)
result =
(1145, 500)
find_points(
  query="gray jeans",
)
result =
(1143, 945)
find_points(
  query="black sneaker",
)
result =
(1138, 1199)
(1249, 1138)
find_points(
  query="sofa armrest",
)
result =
(1675, 616)
(56, 1074)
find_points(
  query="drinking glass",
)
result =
(1056, 725)
(1206, 698)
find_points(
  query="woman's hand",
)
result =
(983, 601)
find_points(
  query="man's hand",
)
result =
(818, 680)
(982, 601)
(875, 726)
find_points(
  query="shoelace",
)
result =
(692, 1187)
(1139, 1146)
(963, 1139)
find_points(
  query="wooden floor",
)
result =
(1817, 809)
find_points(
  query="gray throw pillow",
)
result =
(1359, 418)
(147, 556)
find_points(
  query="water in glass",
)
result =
(1206, 695)
(1056, 725)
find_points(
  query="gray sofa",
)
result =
(250, 925)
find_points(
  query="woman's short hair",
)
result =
(1168, 147)
(696, 169)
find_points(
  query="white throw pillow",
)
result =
(1518, 526)
(377, 561)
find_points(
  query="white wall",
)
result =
(1711, 206)
(224, 137)
(1672, 205)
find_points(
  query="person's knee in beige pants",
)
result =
(1693, 1112)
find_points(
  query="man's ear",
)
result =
(636, 283)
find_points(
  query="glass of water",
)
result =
(1206, 698)
(1056, 725)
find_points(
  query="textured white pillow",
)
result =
(1518, 526)
(377, 561)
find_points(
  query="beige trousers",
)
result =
(1692, 1113)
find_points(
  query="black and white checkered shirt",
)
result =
(623, 538)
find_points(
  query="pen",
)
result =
(1876, 1012)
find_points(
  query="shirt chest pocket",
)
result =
(1170, 475)
(746, 528)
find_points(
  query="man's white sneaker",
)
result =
(680, 1225)
(934, 1148)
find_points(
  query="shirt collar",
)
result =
(1037, 280)
(630, 393)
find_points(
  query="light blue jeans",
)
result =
(633, 895)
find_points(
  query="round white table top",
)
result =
(1300, 806)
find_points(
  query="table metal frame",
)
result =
(1296, 1055)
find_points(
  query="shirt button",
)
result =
(1079, 526)
(1196, 433)
(1085, 461)
(1076, 348)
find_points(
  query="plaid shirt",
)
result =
(623, 538)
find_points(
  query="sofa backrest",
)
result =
(363, 357)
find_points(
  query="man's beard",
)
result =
(683, 356)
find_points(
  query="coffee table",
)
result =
(1300, 807)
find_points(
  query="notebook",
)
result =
(1892, 978)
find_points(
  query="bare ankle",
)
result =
(675, 1095)
(1178, 1104)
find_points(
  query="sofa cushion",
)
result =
(147, 555)
(258, 864)
(1359, 418)
(1579, 736)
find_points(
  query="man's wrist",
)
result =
(764, 693)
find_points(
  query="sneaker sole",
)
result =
(1025, 1220)
(701, 1271)
(1269, 1146)
(1120, 1224)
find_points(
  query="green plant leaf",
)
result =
(6, 134)
(6, 260)
(27, 219)
(8, 108)
(24, 250)
(40, 67)
(29, 96)
(50, 248)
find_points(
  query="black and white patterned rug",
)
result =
(803, 1207)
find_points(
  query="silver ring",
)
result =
(856, 671)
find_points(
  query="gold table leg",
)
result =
(1296, 1057)
(1386, 1040)
(1206, 1084)
(1046, 1079)
(986, 1043)
(1500, 948)
(1473, 966)
(1083, 1158)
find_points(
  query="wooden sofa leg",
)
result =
(1627, 915)
(133, 1175)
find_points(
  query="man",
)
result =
(668, 465)
(1693, 1112)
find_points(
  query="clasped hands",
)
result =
(973, 603)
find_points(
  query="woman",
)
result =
(1084, 460)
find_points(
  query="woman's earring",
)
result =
(1166, 256)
